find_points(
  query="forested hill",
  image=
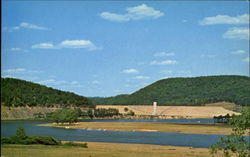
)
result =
(15, 92)
(187, 91)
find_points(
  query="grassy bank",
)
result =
(102, 150)
(150, 127)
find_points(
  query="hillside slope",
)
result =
(187, 91)
(15, 93)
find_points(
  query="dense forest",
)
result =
(15, 92)
(187, 91)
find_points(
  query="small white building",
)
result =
(154, 108)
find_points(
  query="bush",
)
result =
(6, 140)
(45, 140)
(126, 109)
(102, 112)
(131, 113)
(85, 145)
(21, 138)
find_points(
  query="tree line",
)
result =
(15, 93)
(72, 115)
(186, 91)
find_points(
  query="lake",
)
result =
(8, 128)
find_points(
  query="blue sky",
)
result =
(109, 48)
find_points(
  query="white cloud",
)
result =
(143, 11)
(78, 44)
(47, 45)
(238, 52)
(166, 62)
(163, 54)
(25, 25)
(31, 26)
(14, 71)
(176, 73)
(15, 49)
(86, 44)
(114, 17)
(130, 71)
(19, 72)
(142, 77)
(133, 13)
(246, 59)
(225, 19)
(60, 83)
(237, 33)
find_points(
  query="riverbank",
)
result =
(96, 149)
(218, 129)
(166, 112)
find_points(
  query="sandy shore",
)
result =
(149, 127)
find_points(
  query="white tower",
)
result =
(154, 107)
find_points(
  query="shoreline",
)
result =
(214, 129)
(118, 117)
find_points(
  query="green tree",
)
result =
(66, 115)
(236, 142)
(20, 133)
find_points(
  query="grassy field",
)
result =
(102, 150)
(151, 127)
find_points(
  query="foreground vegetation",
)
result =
(103, 150)
(187, 91)
(235, 143)
(150, 127)
(15, 92)
(23, 139)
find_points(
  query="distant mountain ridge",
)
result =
(16, 92)
(194, 91)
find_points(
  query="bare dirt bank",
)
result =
(174, 111)
(14, 113)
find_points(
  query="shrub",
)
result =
(85, 145)
(45, 140)
(21, 138)
(6, 140)
(131, 113)
(126, 109)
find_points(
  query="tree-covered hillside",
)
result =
(187, 91)
(15, 92)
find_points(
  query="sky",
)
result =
(97, 48)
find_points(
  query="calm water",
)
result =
(8, 128)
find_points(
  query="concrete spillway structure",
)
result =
(154, 108)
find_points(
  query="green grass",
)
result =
(101, 150)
